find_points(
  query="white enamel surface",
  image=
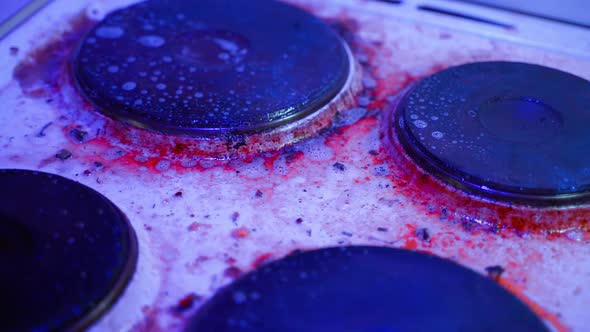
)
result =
(186, 242)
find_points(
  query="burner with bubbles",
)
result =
(364, 289)
(210, 68)
(510, 131)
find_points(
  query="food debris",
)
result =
(78, 135)
(63, 154)
(339, 167)
(495, 272)
(258, 194)
(299, 220)
(178, 194)
(423, 234)
(235, 216)
(42, 131)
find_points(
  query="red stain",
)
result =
(436, 198)
(232, 272)
(186, 302)
(195, 226)
(241, 233)
(261, 260)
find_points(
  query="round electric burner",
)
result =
(510, 131)
(212, 66)
(367, 289)
(66, 252)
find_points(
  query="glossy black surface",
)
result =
(510, 131)
(66, 252)
(210, 67)
(363, 289)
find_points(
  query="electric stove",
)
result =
(294, 166)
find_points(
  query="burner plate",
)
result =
(67, 252)
(211, 67)
(505, 130)
(364, 289)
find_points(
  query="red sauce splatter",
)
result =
(240, 233)
(434, 197)
(186, 302)
(552, 318)
(261, 260)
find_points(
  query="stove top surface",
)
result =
(333, 170)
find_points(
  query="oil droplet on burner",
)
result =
(151, 41)
(109, 32)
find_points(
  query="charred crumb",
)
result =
(78, 135)
(14, 50)
(495, 272)
(186, 303)
(178, 194)
(147, 227)
(382, 229)
(309, 232)
(41, 132)
(258, 194)
(423, 234)
(98, 164)
(339, 167)
(373, 153)
(235, 216)
(299, 220)
(63, 154)
(346, 234)
(232, 272)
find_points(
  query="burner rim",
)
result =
(344, 84)
(393, 253)
(127, 271)
(422, 157)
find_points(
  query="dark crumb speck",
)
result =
(178, 194)
(98, 164)
(299, 220)
(63, 154)
(41, 132)
(258, 194)
(347, 234)
(13, 50)
(339, 167)
(495, 272)
(373, 153)
(147, 227)
(78, 135)
(235, 216)
(382, 229)
(423, 234)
